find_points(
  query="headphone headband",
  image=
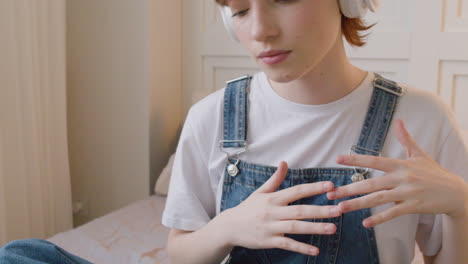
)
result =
(349, 8)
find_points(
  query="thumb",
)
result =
(275, 180)
(412, 148)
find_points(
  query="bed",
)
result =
(133, 234)
(130, 235)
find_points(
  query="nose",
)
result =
(264, 24)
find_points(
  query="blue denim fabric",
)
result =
(352, 243)
(235, 109)
(36, 251)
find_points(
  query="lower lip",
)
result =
(275, 59)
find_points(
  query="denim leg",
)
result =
(36, 251)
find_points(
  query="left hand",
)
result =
(417, 185)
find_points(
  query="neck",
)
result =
(326, 83)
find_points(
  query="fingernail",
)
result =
(327, 185)
(367, 223)
(340, 159)
(334, 211)
(329, 228)
(332, 195)
(313, 251)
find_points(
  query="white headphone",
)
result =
(349, 8)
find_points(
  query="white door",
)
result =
(420, 42)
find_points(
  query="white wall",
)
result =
(120, 100)
(166, 82)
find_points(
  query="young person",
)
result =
(308, 106)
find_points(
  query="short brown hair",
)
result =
(351, 28)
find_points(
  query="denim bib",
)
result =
(352, 243)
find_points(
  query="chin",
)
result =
(281, 76)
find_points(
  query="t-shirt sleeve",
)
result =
(190, 201)
(452, 156)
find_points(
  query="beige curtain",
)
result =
(35, 196)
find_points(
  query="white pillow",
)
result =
(162, 183)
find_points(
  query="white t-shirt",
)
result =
(310, 136)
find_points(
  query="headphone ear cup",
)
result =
(373, 5)
(226, 15)
(353, 8)
(358, 8)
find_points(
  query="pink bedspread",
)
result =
(133, 234)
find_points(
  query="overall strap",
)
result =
(374, 131)
(379, 116)
(235, 112)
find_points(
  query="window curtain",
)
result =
(35, 193)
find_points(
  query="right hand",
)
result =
(262, 219)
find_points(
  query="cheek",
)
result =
(318, 19)
(318, 34)
(303, 26)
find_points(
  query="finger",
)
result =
(370, 200)
(300, 191)
(302, 227)
(300, 212)
(362, 187)
(390, 213)
(275, 180)
(369, 161)
(293, 245)
(412, 148)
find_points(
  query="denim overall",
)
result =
(352, 243)
(37, 251)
